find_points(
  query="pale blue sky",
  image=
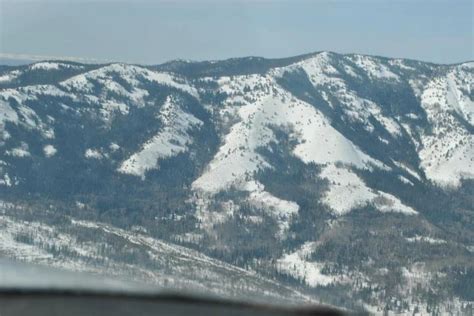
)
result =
(157, 31)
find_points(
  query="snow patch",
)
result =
(282, 210)
(93, 154)
(405, 180)
(9, 76)
(114, 147)
(386, 202)
(374, 68)
(347, 191)
(49, 150)
(7, 114)
(407, 169)
(6, 181)
(297, 265)
(426, 239)
(52, 66)
(21, 151)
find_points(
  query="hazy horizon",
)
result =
(12, 59)
(146, 32)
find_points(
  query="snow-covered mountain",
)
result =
(325, 171)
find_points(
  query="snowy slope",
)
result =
(172, 139)
(448, 149)
(257, 103)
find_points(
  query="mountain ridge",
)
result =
(249, 57)
(300, 170)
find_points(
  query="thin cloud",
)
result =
(46, 57)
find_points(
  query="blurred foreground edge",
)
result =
(37, 290)
(73, 303)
